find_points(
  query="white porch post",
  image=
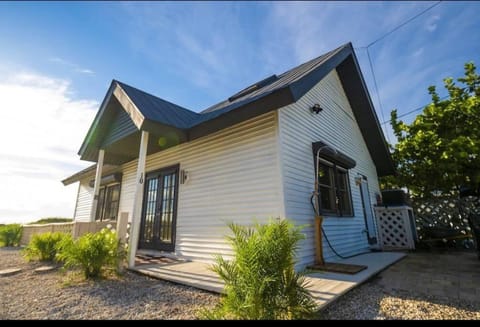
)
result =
(96, 187)
(137, 203)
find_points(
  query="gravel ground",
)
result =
(53, 295)
(406, 291)
(370, 301)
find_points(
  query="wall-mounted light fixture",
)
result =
(183, 176)
(316, 108)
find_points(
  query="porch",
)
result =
(325, 287)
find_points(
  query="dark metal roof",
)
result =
(266, 95)
(164, 112)
(159, 110)
(282, 80)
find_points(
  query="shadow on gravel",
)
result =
(131, 289)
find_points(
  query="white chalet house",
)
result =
(181, 176)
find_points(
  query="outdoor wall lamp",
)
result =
(183, 176)
(316, 108)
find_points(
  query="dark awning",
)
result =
(333, 155)
(112, 178)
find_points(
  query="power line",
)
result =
(414, 110)
(370, 59)
(403, 24)
(376, 90)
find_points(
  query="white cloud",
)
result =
(417, 52)
(76, 68)
(41, 130)
(431, 24)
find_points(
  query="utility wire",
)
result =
(403, 24)
(370, 59)
(376, 91)
(414, 110)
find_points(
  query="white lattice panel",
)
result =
(395, 227)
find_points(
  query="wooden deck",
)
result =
(324, 286)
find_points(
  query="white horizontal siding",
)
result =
(84, 201)
(233, 176)
(336, 126)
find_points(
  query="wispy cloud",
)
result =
(210, 46)
(42, 130)
(74, 67)
(431, 24)
(220, 48)
(418, 52)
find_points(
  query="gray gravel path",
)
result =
(421, 286)
(29, 295)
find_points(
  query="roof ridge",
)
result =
(151, 95)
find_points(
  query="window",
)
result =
(334, 189)
(108, 200)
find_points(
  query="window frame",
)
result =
(335, 173)
(105, 202)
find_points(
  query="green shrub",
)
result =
(260, 281)
(45, 247)
(11, 234)
(93, 253)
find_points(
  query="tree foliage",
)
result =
(261, 281)
(440, 149)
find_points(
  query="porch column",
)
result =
(96, 186)
(137, 202)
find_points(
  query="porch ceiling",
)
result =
(127, 148)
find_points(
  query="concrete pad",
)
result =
(10, 271)
(44, 269)
(325, 287)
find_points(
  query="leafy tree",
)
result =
(260, 281)
(440, 149)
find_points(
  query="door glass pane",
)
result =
(167, 207)
(150, 210)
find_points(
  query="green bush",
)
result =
(260, 281)
(93, 253)
(11, 234)
(45, 247)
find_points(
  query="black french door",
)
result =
(159, 213)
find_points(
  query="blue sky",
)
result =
(58, 58)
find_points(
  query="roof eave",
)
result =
(126, 103)
(269, 102)
(96, 120)
(88, 172)
(359, 98)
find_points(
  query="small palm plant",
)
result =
(93, 253)
(260, 281)
(45, 247)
